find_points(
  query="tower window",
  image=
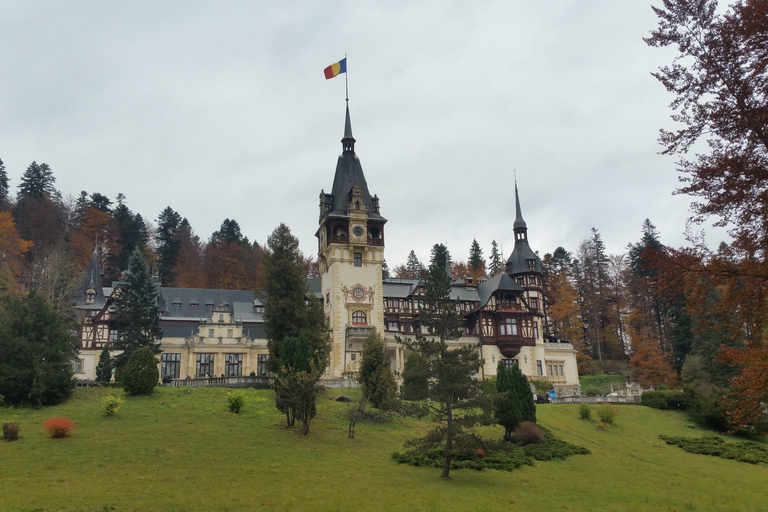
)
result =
(358, 259)
(532, 265)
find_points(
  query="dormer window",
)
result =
(532, 265)
(193, 305)
(177, 304)
(90, 296)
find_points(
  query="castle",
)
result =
(220, 332)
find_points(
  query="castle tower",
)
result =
(350, 256)
(524, 266)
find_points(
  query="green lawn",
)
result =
(182, 450)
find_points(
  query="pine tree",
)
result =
(440, 256)
(36, 352)
(37, 182)
(456, 403)
(168, 223)
(414, 266)
(376, 378)
(475, 261)
(3, 183)
(384, 270)
(496, 265)
(136, 315)
(295, 382)
(104, 367)
(289, 307)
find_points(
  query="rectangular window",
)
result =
(112, 336)
(229, 333)
(358, 259)
(233, 365)
(535, 329)
(261, 365)
(509, 363)
(561, 370)
(170, 365)
(539, 370)
(508, 327)
(77, 364)
(391, 304)
(534, 303)
(393, 326)
(549, 369)
(221, 318)
(210, 333)
(204, 366)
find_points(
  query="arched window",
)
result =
(358, 318)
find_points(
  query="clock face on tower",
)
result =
(358, 231)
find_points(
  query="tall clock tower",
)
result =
(350, 257)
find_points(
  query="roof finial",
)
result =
(519, 222)
(348, 142)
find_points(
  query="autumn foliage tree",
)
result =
(719, 80)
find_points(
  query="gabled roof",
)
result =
(499, 282)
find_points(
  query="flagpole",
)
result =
(346, 79)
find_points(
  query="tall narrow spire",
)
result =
(348, 142)
(519, 222)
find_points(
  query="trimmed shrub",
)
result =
(751, 453)
(141, 375)
(593, 391)
(528, 433)
(11, 430)
(665, 399)
(236, 401)
(111, 404)
(585, 412)
(607, 413)
(59, 427)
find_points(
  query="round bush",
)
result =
(141, 375)
(528, 433)
(593, 391)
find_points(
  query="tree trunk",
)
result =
(448, 441)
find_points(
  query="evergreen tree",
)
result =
(37, 182)
(475, 261)
(101, 202)
(136, 315)
(384, 270)
(415, 384)
(228, 233)
(496, 265)
(440, 256)
(295, 382)
(168, 224)
(514, 401)
(141, 375)
(104, 367)
(456, 402)
(289, 307)
(132, 232)
(414, 266)
(3, 183)
(36, 352)
(376, 378)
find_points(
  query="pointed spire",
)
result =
(348, 142)
(519, 222)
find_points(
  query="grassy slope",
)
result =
(181, 450)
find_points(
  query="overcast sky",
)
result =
(221, 110)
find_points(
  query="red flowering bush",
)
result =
(480, 453)
(59, 427)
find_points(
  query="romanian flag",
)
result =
(336, 69)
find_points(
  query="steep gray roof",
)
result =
(91, 279)
(349, 172)
(499, 282)
(518, 260)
